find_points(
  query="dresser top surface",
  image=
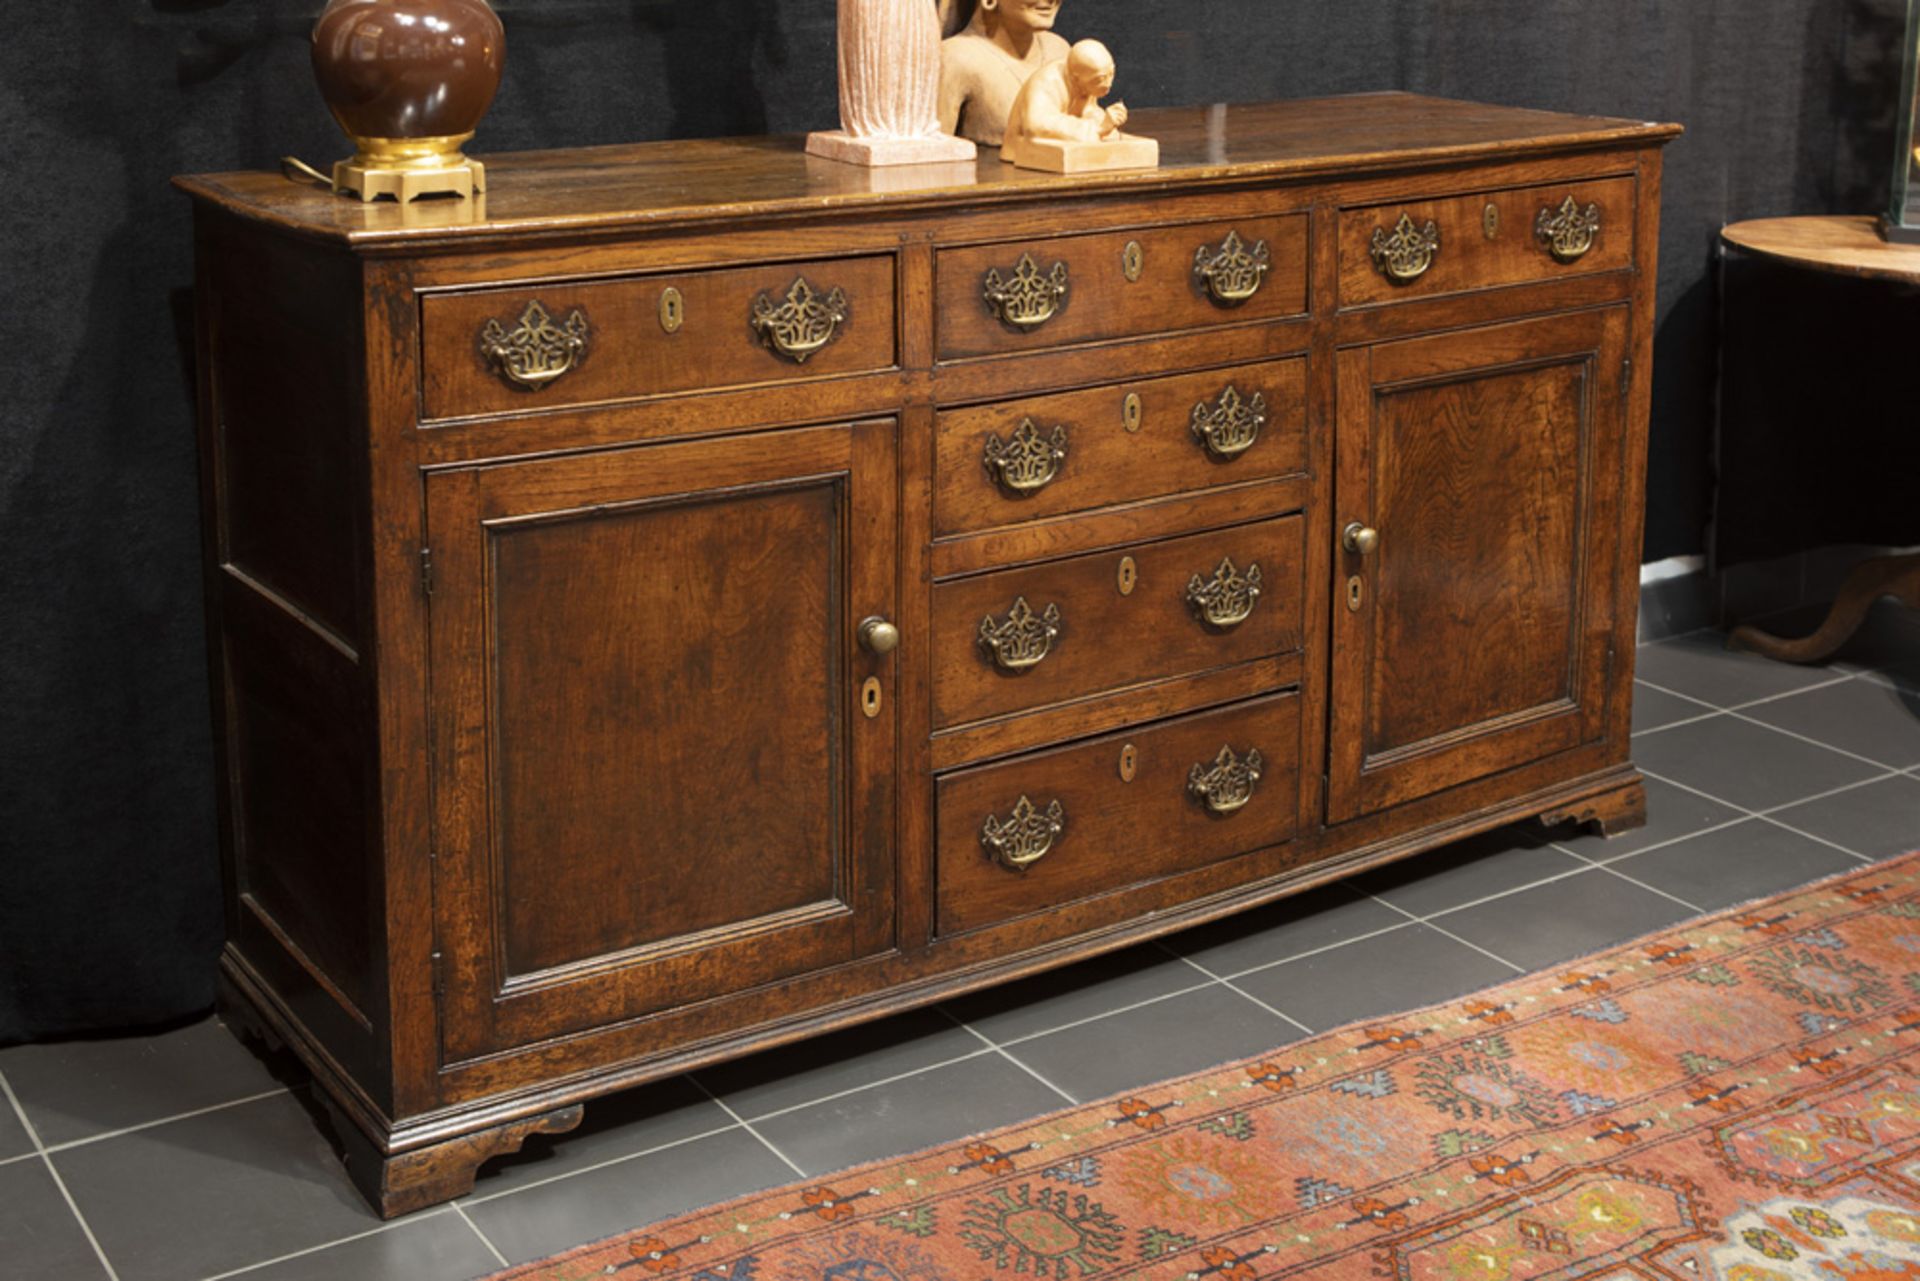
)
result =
(702, 181)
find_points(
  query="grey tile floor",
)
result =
(185, 1157)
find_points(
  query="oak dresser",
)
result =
(701, 595)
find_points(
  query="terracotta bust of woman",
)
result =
(984, 67)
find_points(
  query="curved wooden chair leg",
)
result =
(1867, 582)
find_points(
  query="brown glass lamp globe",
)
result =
(409, 81)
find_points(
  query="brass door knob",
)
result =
(878, 635)
(1359, 538)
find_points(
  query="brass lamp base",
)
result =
(407, 168)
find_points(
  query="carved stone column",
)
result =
(889, 88)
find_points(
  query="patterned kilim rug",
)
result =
(1736, 1098)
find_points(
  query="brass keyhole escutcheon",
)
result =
(1129, 763)
(870, 697)
(1128, 577)
(1356, 591)
(1490, 221)
(673, 310)
(1133, 261)
(1132, 412)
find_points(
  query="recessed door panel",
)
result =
(665, 691)
(656, 778)
(1471, 623)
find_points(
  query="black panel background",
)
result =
(108, 899)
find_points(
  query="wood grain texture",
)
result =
(1610, 813)
(1116, 832)
(1468, 258)
(1107, 461)
(628, 352)
(590, 659)
(1846, 244)
(1109, 640)
(614, 190)
(668, 774)
(1101, 302)
(1482, 459)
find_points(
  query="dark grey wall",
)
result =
(108, 909)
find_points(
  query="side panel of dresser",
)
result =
(291, 642)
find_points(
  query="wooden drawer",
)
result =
(1485, 239)
(487, 351)
(1115, 811)
(1025, 459)
(1022, 639)
(1006, 297)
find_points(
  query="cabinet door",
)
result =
(1474, 636)
(657, 780)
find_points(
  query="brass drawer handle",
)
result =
(538, 349)
(1023, 639)
(1232, 273)
(1405, 255)
(1026, 836)
(1026, 464)
(1227, 599)
(804, 323)
(1229, 783)
(1228, 427)
(1567, 233)
(1028, 300)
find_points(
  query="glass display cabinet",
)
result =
(1902, 220)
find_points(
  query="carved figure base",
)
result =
(940, 149)
(1611, 813)
(1123, 151)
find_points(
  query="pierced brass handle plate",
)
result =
(1025, 836)
(1228, 427)
(1404, 255)
(1023, 638)
(1232, 273)
(1026, 300)
(1228, 597)
(1026, 464)
(806, 321)
(538, 349)
(1229, 783)
(1568, 232)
